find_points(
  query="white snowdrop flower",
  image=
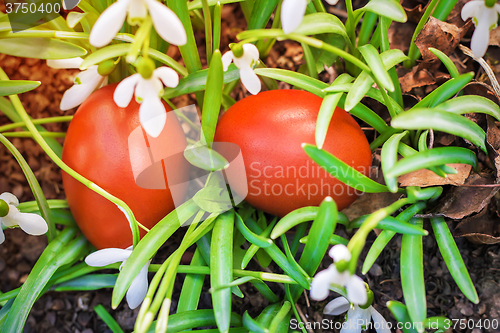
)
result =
(485, 19)
(357, 318)
(245, 64)
(355, 287)
(152, 113)
(165, 21)
(85, 82)
(292, 13)
(139, 287)
(10, 216)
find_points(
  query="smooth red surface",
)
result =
(270, 128)
(96, 146)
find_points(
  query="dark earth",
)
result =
(73, 311)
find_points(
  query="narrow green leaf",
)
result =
(431, 158)
(88, 282)
(447, 62)
(412, 275)
(327, 109)
(311, 64)
(444, 91)
(389, 157)
(386, 8)
(392, 224)
(400, 312)
(108, 319)
(252, 325)
(422, 119)
(14, 87)
(196, 4)
(221, 268)
(322, 23)
(373, 59)
(471, 104)
(343, 172)
(453, 259)
(250, 236)
(261, 13)
(41, 48)
(193, 319)
(296, 79)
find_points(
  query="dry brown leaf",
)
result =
(483, 228)
(416, 78)
(465, 200)
(424, 177)
(440, 35)
(493, 145)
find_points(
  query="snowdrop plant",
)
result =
(10, 217)
(166, 23)
(245, 57)
(85, 82)
(354, 285)
(358, 318)
(484, 14)
(139, 287)
(147, 86)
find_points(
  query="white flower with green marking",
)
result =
(139, 287)
(245, 62)
(354, 285)
(485, 19)
(166, 23)
(85, 82)
(292, 13)
(147, 91)
(10, 216)
(357, 318)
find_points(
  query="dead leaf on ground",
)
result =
(415, 14)
(482, 89)
(424, 177)
(465, 200)
(483, 228)
(440, 35)
(495, 37)
(416, 78)
(493, 144)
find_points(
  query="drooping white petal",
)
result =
(379, 321)
(250, 52)
(108, 256)
(227, 58)
(340, 252)
(2, 235)
(470, 8)
(136, 9)
(332, 2)
(497, 8)
(166, 23)
(352, 325)
(356, 290)
(32, 224)
(337, 306)
(250, 80)
(65, 63)
(481, 36)
(167, 75)
(147, 88)
(109, 23)
(152, 115)
(10, 220)
(292, 13)
(139, 288)
(9, 198)
(78, 93)
(320, 285)
(125, 90)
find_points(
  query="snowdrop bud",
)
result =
(145, 67)
(106, 67)
(4, 208)
(369, 295)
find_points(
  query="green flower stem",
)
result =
(108, 319)
(61, 35)
(32, 206)
(369, 21)
(48, 120)
(26, 134)
(208, 29)
(358, 241)
(397, 94)
(254, 35)
(319, 6)
(350, 24)
(414, 53)
(444, 8)
(18, 106)
(141, 37)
